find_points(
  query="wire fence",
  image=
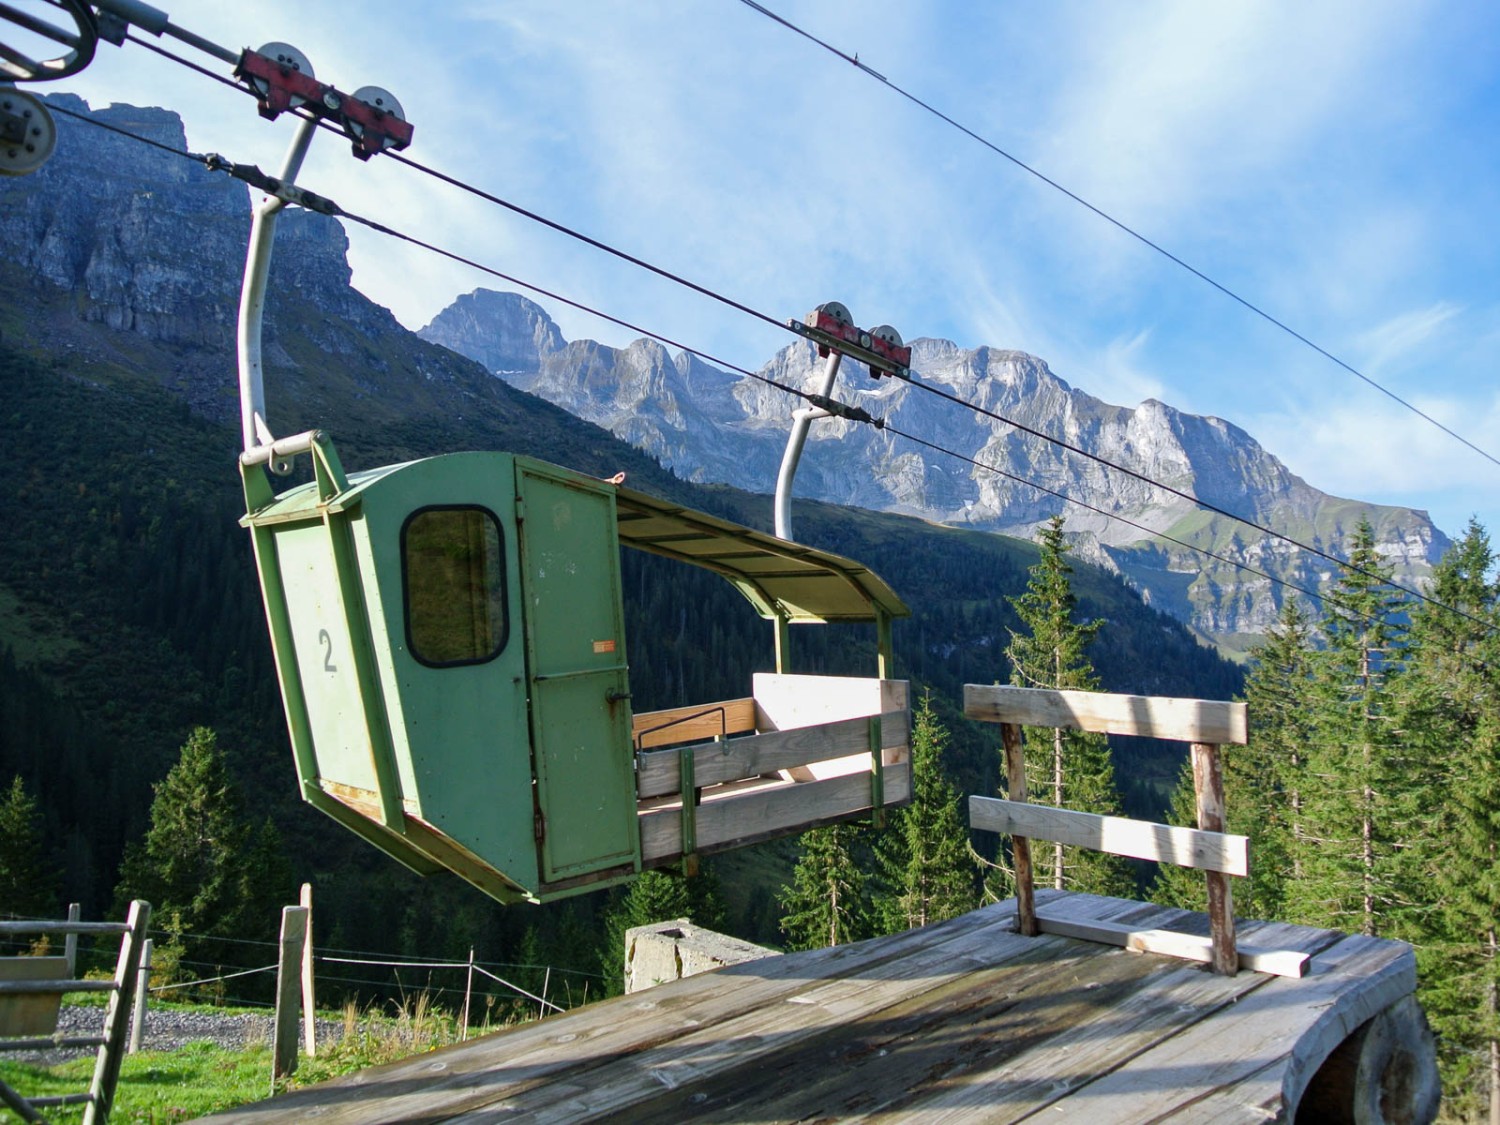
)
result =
(207, 979)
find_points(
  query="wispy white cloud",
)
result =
(1330, 162)
(1397, 337)
(1359, 450)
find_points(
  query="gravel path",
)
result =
(169, 1028)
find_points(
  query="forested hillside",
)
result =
(130, 615)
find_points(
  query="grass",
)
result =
(156, 1086)
(202, 1077)
(371, 1038)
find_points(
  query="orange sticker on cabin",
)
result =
(604, 646)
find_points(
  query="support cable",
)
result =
(853, 59)
(255, 177)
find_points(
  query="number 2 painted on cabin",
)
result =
(327, 642)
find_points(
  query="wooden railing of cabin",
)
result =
(801, 752)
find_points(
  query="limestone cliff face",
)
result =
(503, 331)
(151, 246)
(708, 425)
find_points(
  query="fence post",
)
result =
(1015, 782)
(288, 975)
(1208, 785)
(541, 1008)
(309, 1007)
(112, 1053)
(70, 943)
(468, 992)
(142, 987)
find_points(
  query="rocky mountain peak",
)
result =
(503, 331)
(709, 425)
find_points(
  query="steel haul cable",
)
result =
(757, 314)
(255, 177)
(853, 59)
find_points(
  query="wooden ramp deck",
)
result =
(963, 1021)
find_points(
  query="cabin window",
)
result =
(453, 569)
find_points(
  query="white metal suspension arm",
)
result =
(801, 421)
(254, 429)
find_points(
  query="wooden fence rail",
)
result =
(1204, 724)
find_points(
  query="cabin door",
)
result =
(575, 657)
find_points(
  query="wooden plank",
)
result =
(866, 1064)
(783, 702)
(1289, 1025)
(1183, 720)
(693, 724)
(786, 1042)
(1164, 843)
(870, 1065)
(1176, 1003)
(1188, 947)
(658, 772)
(724, 819)
(491, 1071)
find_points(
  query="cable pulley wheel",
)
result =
(385, 102)
(81, 39)
(289, 57)
(836, 310)
(27, 133)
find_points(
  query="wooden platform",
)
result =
(964, 1021)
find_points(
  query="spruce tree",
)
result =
(1354, 796)
(200, 860)
(1064, 768)
(827, 903)
(1262, 780)
(924, 866)
(1450, 722)
(28, 879)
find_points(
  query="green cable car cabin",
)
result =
(450, 644)
(449, 639)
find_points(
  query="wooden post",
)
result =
(1015, 782)
(112, 1053)
(468, 995)
(142, 987)
(288, 976)
(541, 1008)
(70, 943)
(309, 1005)
(1208, 784)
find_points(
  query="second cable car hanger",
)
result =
(449, 637)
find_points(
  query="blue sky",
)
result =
(1336, 163)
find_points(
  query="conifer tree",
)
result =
(1450, 722)
(827, 903)
(1064, 768)
(28, 880)
(1353, 799)
(925, 870)
(1262, 780)
(200, 859)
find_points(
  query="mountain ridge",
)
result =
(709, 425)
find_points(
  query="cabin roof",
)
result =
(779, 578)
